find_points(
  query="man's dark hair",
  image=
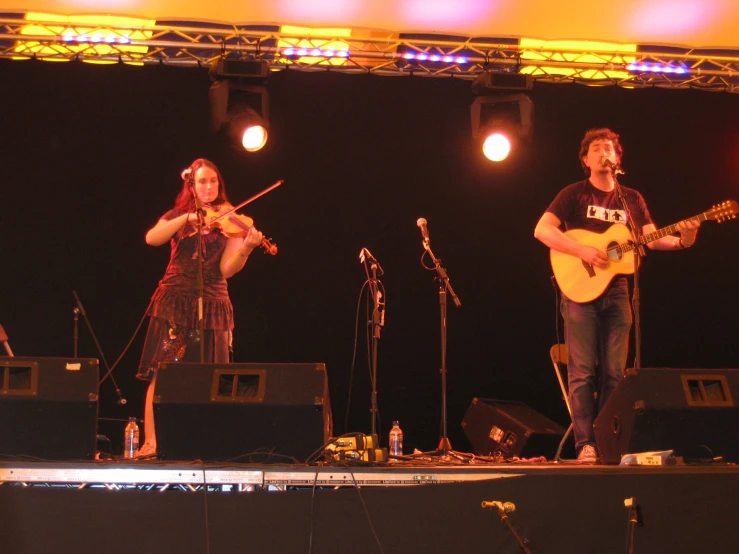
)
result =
(601, 133)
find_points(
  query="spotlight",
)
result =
(496, 147)
(239, 101)
(500, 122)
(250, 129)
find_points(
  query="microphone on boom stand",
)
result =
(445, 287)
(377, 321)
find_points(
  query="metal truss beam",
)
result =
(201, 45)
(243, 479)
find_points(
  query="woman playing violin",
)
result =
(173, 334)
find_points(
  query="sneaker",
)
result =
(587, 455)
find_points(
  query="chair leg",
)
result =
(557, 456)
(4, 340)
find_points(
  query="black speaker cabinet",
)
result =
(221, 412)
(511, 428)
(689, 411)
(48, 407)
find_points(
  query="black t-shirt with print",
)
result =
(582, 206)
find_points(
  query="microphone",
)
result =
(423, 225)
(507, 507)
(365, 254)
(615, 168)
(121, 401)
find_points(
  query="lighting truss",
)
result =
(199, 45)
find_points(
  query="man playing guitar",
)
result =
(598, 321)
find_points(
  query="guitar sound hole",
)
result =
(614, 252)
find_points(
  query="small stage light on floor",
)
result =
(239, 101)
(500, 121)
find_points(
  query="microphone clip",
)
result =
(366, 255)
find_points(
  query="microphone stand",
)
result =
(75, 333)
(638, 254)
(378, 320)
(444, 286)
(522, 542)
(201, 261)
(635, 520)
(109, 372)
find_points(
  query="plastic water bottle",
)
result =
(131, 439)
(395, 444)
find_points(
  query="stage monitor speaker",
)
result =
(690, 411)
(510, 428)
(222, 412)
(48, 407)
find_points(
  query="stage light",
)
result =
(84, 34)
(240, 102)
(412, 56)
(316, 53)
(251, 128)
(314, 50)
(643, 67)
(496, 147)
(501, 122)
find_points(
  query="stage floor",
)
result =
(406, 507)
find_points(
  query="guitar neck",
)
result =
(669, 230)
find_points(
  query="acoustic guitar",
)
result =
(581, 282)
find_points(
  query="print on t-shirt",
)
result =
(604, 214)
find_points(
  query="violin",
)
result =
(232, 224)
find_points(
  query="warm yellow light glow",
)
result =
(95, 27)
(308, 44)
(318, 31)
(496, 147)
(585, 52)
(254, 138)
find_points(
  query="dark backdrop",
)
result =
(91, 157)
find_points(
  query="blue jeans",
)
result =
(596, 332)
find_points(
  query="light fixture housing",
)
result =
(501, 118)
(239, 101)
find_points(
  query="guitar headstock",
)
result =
(724, 211)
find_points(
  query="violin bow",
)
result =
(248, 201)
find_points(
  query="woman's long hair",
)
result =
(185, 199)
